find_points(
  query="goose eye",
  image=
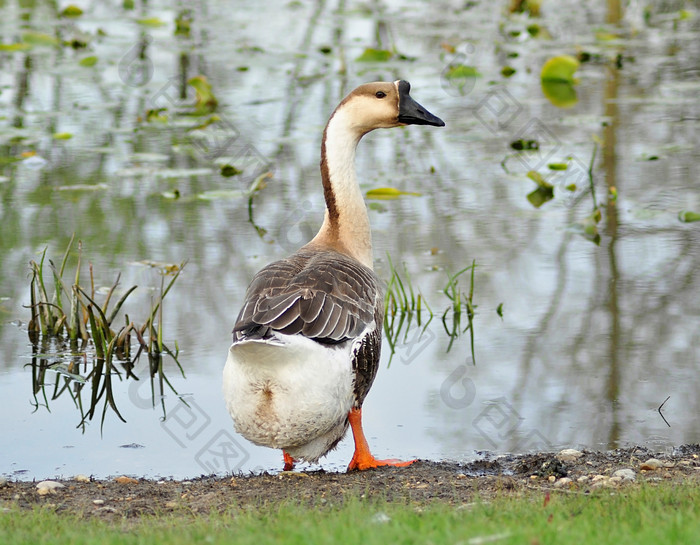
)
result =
(380, 94)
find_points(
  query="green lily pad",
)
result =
(539, 179)
(229, 170)
(206, 101)
(459, 71)
(544, 191)
(686, 216)
(560, 68)
(540, 196)
(560, 93)
(88, 61)
(374, 55)
(387, 193)
(39, 39)
(150, 21)
(71, 11)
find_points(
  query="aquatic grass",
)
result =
(69, 325)
(403, 306)
(403, 303)
(454, 293)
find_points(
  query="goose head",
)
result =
(382, 105)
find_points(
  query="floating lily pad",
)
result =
(458, 71)
(559, 93)
(229, 170)
(150, 21)
(206, 101)
(13, 48)
(387, 193)
(544, 191)
(88, 61)
(560, 68)
(686, 216)
(39, 39)
(71, 11)
(375, 55)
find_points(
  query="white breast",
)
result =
(291, 393)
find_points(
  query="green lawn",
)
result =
(636, 515)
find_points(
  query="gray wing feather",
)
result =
(323, 295)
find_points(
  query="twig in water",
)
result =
(662, 414)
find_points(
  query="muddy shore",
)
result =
(422, 483)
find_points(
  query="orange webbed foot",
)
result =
(288, 461)
(362, 458)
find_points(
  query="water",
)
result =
(593, 338)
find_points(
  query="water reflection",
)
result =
(590, 340)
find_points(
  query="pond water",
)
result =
(576, 343)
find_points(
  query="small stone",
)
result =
(533, 477)
(171, 504)
(625, 475)
(461, 476)
(599, 478)
(551, 478)
(651, 464)
(82, 478)
(582, 479)
(615, 480)
(125, 480)
(563, 482)
(380, 518)
(48, 487)
(98, 502)
(569, 455)
(3, 481)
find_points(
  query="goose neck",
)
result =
(346, 223)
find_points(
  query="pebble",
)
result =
(82, 478)
(3, 481)
(561, 483)
(98, 502)
(625, 475)
(380, 518)
(125, 480)
(48, 487)
(551, 478)
(569, 455)
(582, 479)
(599, 478)
(615, 480)
(651, 464)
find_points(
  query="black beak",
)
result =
(412, 113)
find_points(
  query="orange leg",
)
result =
(288, 461)
(363, 459)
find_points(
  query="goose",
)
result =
(306, 343)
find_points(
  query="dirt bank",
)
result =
(420, 483)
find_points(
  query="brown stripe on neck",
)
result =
(328, 193)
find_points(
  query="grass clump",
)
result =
(77, 338)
